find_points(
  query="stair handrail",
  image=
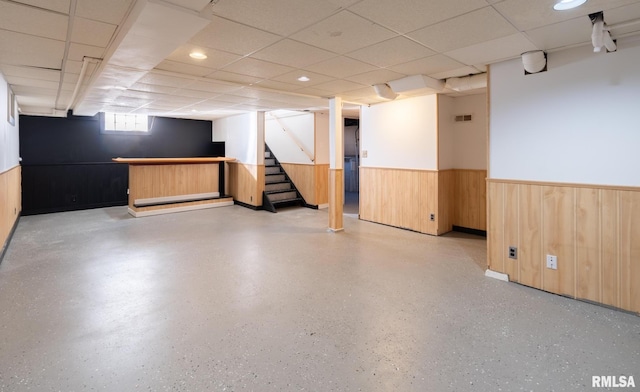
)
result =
(293, 137)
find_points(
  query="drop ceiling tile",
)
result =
(20, 81)
(78, 51)
(130, 93)
(360, 93)
(258, 93)
(316, 92)
(371, 100)
(182, 68)
(91, 32)
(407, 15)
(463, 71)
(249, 107)
(215, 58)
(184, 92)
(623, 14)
(343, 32)
(493, 51)
(108, 11)
(234, 77)
(23, 49)
(233, 37)
(282, 17)
(342, 3)
(477, 26)
(338, 86)
(213, 87)
(375, 77)
(147, 88)
(570, 32)
(70, 80)
(73, 66)
(234, 99)
(257, 68)
(132, 102)
(391, 52)
(276, 85)
(30, 72)
(528, 15)
(33, 21)
(194, 5)
(61, 6)
(340, 67)
(34, 91)
(159, 79)
(293, 53)
(176, 101)
(292, 77)
(427, 65)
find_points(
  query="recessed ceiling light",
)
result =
(303, 78)
(563, 5)
(197, 55)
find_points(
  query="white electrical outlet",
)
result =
(365, 153)
(552, 262)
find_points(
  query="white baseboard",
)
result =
(496, 275)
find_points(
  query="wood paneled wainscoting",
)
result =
(312, 182)
(407, 198)
(593, 230)
(10, 204)
(470, 200)
(400, 197)
(246, 183)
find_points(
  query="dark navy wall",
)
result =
(66, 162)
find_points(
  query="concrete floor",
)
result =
(231, 299)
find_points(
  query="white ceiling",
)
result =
(136, 52)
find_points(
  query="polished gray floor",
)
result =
(231, 299)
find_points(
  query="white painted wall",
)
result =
(9, 136)
(240, 134)
(576, 123)
(470, 138)
(400, 134)
(291, 136)
(446, 143)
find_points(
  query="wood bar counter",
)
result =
(165, 185)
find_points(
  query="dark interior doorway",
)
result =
(351, 166)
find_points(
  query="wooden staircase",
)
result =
(279, 190)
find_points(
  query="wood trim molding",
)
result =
(336, 199)
(400, 168)
(10, 203)
(564, 184)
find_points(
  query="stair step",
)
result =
(279, 202)
(277, 186)
(272, 170)
(269, 161)
(267, 154)
(271, 178)
(282, 196)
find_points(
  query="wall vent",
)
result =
(463, 118)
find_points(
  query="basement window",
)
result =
(124, 123)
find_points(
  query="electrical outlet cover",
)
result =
(552, 262)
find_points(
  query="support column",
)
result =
(336, 164)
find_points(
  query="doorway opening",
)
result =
(351, 166)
